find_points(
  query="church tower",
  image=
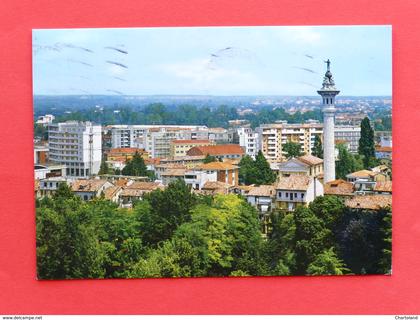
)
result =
(328, 93)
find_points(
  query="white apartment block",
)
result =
(248, 139)
(155, 139)
(350, 134)
(78, 145)
(44, 120)
(272, 138)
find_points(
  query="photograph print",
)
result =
(212, 151)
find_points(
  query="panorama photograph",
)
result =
(212, 151)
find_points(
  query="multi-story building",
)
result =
(297, 190)
(77, 145)
(350, 134)
(179, 148)
(45, 120)
(248, 140)
(272, 138)
(225, 151)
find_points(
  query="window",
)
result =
(280, 194)
(287, 194)
(302, 195)
(295, 194)
(85, 197)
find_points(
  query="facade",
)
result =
(124, 154)
(339, 188)
(249, 141)
(48, 186)
(179, 148)
(349, 134)
(196, 179)
(225, 172)
(297, 190)
(78, 145)
(272, 138)
(328, 93)
(49, 171)
(90, 188)
(41, 154)
(308, 165)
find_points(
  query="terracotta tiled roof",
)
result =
(174, 173)
(294, 182)
(144, 185)
(383, 186)
(338, 187)
(214, 187)
(110, 192)
(217, 165)
(170, 166)
(125, 150)
(370, 202)
(91, 185)
(383, 149)
(310, 160)
(262, 191)
(121, 182)
(217, 150)
(362, 174)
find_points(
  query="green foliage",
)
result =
(174, 233)
(135, 167)
(292, 149)
(367, 143)
(327, 263)
(347, 163)
(40, 132)
(255, 172)
(104, 169)
(209, 159)
(317, 150)
(165, 211)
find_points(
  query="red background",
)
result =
(21, 293)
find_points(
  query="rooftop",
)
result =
(294, 182)
(310, 160)
(262, 191)
(383, 186)
(216, 150)
(338, 187)
(369, 202)
(216, 165)
(89, 185)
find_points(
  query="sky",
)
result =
(212, 60)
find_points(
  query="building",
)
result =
(215, 187)
(383, 187)
(187, 161)
(218, 135)
(124, 154)
(272, 138)
(307, 165)
(135, 192)
(78, 145)
(48, 186)
(297, 190)
(41, 154)
(49, 171)
(349, 134)
(262, 197)
(339, 188)
(249, 141)
(383, 152)
(225, 172)
(369, 202)
(364, 181)
(90, 188)
(179, 148)
(45, 120)
(225, 151)
(196, 179)
(171, 175)
(328, 93)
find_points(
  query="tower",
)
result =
(328, 93)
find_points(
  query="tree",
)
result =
(135, 167)
(317, 150)
(367, 143)
(255, 172)
(209, 159)
(104, 169)
(264, 173)
(165, 210)
(292, 149)
(327, 263)
(347, 163)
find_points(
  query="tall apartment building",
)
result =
(272, 138)
(350, 134)
(248, 139)
(78, 145)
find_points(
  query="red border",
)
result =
(21, 293)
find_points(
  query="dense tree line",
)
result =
(158, 113)
(175, 233)
(256, 171)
